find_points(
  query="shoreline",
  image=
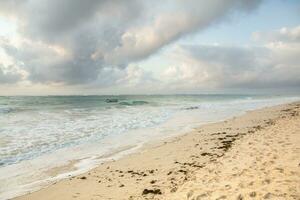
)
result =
(154, 164)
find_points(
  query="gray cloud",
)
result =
(75, 41)
(172, 22)
(275, 66)
(8, 77)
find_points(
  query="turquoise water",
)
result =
(32, 126)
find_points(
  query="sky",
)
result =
(74, 47)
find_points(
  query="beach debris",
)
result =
(136, 173)
(206, 154)
(151, 191)
(270, 122)
(174, 189)
(226, 144)
(259, 127)
(192, 108)
(83, 177)
(240, 197)
(252, 194)
(294, 113)
(287, 110)
(219, 133)
(182, 171)
(192, 164)
(267, 181)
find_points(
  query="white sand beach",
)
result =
(254, 156)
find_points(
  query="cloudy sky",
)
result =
(145, 47)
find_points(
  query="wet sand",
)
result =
(254, 156)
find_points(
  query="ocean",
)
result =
(38, 134)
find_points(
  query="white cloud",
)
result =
(286, 35)
(99, 44)
(79, 42)
(273, 64)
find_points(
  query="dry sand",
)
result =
(254, 156)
